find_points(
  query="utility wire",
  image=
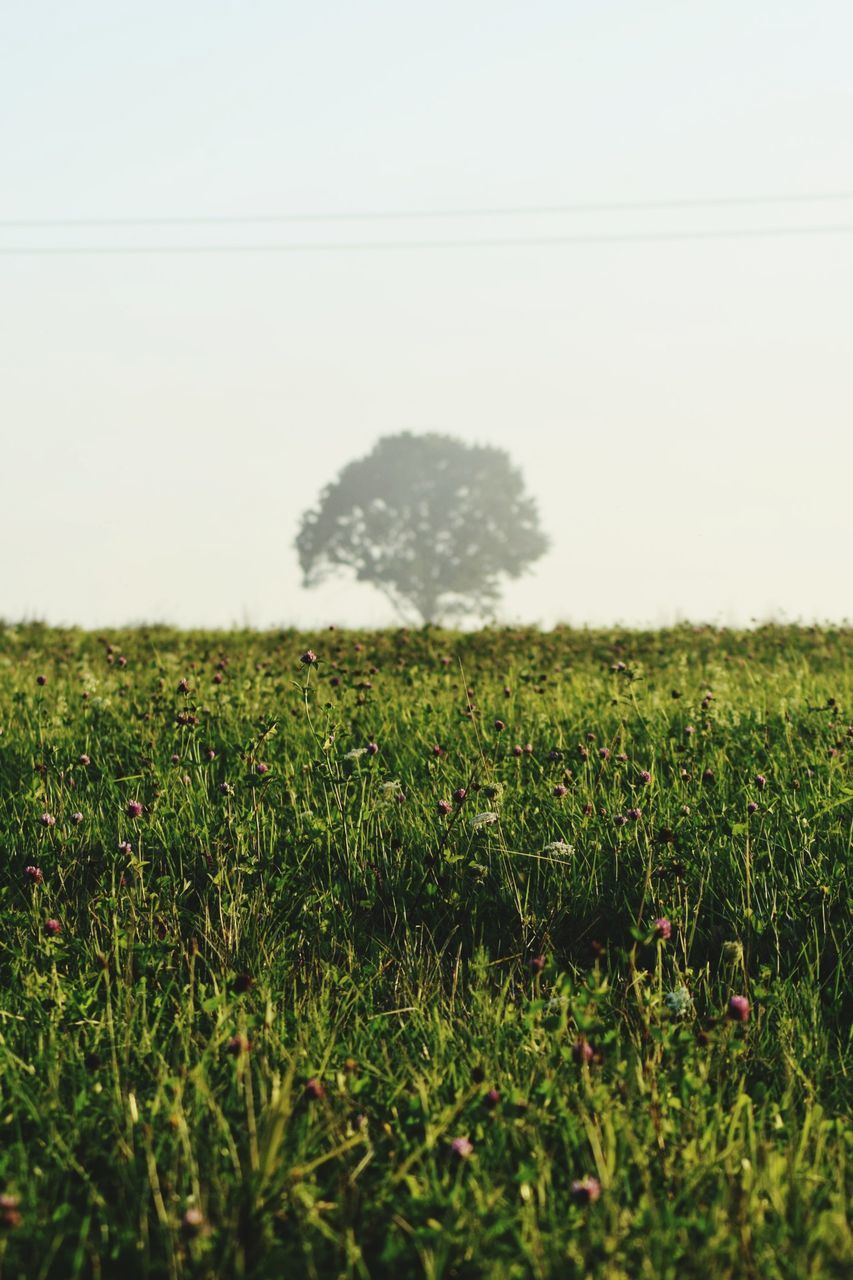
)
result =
(383, 246)
(600, 206)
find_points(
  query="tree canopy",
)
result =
(433, 522)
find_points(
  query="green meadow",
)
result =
(501, 954)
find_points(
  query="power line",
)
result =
(376, 246)
(598, 206)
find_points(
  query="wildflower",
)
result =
(620, 820)
(372, 748)
(528, 748)
(77, 818)
(537, 963)
(262, 767)
(492, 1099)
(645, 776)
(124, 846)
(10, 1213)
(559, 848)
(356, 753)
(487, 819)
(604, 752)
(518, 749)
(437, 750)
(134, 809)
(500, 726)
(175, 758)
(314, 1090)
(635, 814)
(586, 1190)
(309, 657)
(752, 807)
(708, 776)
(560, 790)
(461, 1148)
(218, 677)
(183, 685)
(193, 1220)
(84, 759)
(237, 1045)
(582, 1050)
(679, 1002)
(35, 874)
(226, 789)
(459, 795)
(738, 1010)
(760, 781)
(47, 820)
(663, 928)
(444, 807)
(41, 680)
(52, 928)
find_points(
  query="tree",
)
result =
(432, 522)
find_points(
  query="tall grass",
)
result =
(241, 1030)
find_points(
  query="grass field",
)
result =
(419, 960)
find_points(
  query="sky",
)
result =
(680, 407)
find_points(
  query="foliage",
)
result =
(282, 989)
(430, 521)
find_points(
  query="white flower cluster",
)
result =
(483, 820)
(559, 848)
(355, 753)
(679, 1002)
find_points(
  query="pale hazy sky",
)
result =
(681, 409)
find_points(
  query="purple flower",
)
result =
(47, 820)
(309, 658)
(738, 1010)
(604, 752)
(444, 807)
(35, 874)
(41, 680)
(459, 795)
(492, 1099)
(537, 963)
(372, 748)
(518, 749)
(500, 726)
(663, 928)
(620, 820)
(560, 790)
(461, 1148)
(752, 807)
(237, 1045)
(262, 767)
(582, 1050)
(134, 809)
(52, 928)
(314, 1090)
(84, 759)
(760, 781)
(183, 685)
(635, 814)
(586, 1190)
(645, 776)
(77, 818)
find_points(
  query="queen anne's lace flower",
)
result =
(679, 1002)
(483, 820)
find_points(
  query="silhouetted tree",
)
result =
(432, 522)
